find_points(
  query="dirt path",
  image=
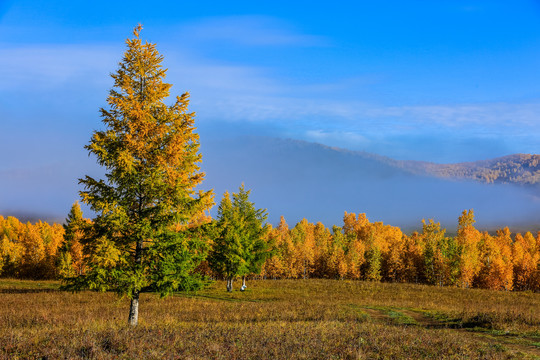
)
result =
(514, 343)
(422, 320)
(377, 315)
(518, 345)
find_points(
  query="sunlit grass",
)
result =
(297, 319)
(6, 284)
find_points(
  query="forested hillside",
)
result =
(522, 169)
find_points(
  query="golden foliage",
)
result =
(503, 261)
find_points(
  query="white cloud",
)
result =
(487, 118)
(236, 92)
(464, 116)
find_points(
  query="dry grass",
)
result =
(314, 319)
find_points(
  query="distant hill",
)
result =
(522, 169)
(300, 179)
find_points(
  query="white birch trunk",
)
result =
(134, 309)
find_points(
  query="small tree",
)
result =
(433, 236)
(70, 259)
(139, 240)
(240, 248)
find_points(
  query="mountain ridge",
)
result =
(299, 179)
(522, 169)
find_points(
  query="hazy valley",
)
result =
(299, 179)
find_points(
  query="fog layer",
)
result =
(299, 179)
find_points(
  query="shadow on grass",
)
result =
(27, 291)
(222, 297)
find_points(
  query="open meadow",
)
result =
(272, 319)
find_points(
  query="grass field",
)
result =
(285, 319)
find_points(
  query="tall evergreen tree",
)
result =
(139, 240)
(240, 248)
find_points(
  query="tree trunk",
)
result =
(244, 281)
(229, 284)
(134, 309)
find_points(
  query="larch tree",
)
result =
(52, 237)
(433, 236)
(392, 261)
(338, 257)
(468, 239)
(289, 252)
(33, 254)
(11, 248)
(355, 257)
(322, 246)
(239, 248)
(70, 259)
(140, 239)
(372, 266)
(304, 241)
(274, 266)
(412, 259)
(525, 258)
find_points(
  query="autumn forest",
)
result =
(358, 249)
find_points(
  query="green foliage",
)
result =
(65, 266)
(174, 258)
(74, 225)
(373, 264)
(140, 238)
(239, 248)
(433, 236)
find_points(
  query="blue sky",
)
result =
(443, 81)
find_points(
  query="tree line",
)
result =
(358, 249)
(372, 251)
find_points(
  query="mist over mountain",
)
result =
(298, 179)
(521, 169)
